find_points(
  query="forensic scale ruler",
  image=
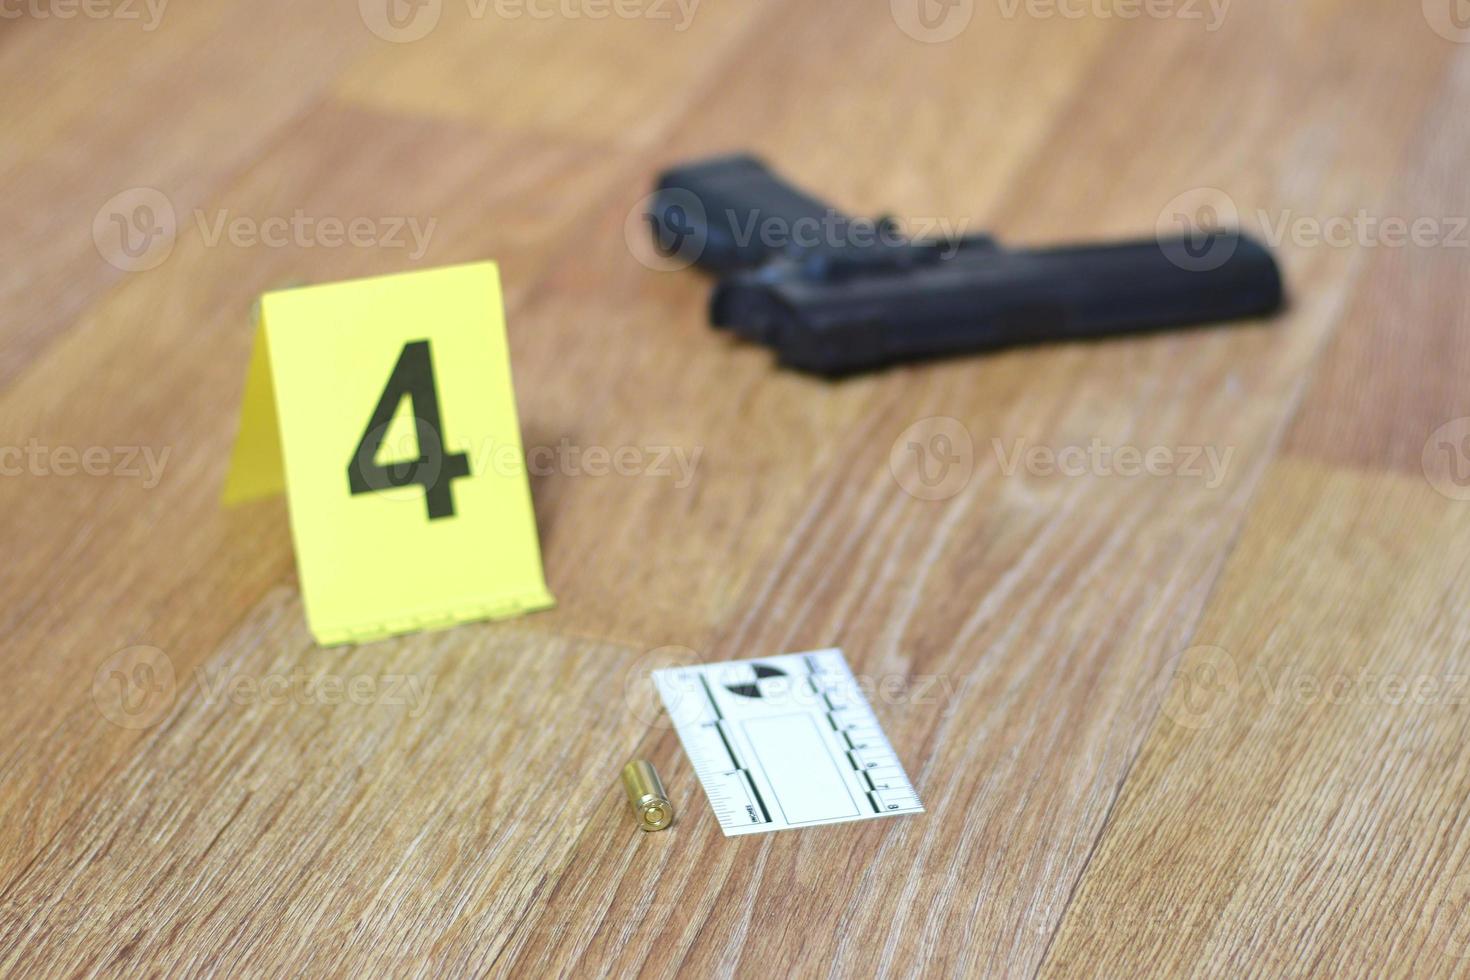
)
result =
(786, 741)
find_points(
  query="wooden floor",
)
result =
(1211, 722)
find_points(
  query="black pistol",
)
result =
(833, 294)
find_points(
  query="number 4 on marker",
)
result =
(412, 376)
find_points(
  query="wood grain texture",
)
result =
(1391, 375)
(165, 565)
(1299, 807)
(449, 802)
(94, 108)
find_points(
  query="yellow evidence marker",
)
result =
(384, 409)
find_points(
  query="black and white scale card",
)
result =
(786, 741)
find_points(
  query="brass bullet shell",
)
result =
(647, 796)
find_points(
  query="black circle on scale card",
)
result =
(767, 681)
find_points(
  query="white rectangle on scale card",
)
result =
(787, 741)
